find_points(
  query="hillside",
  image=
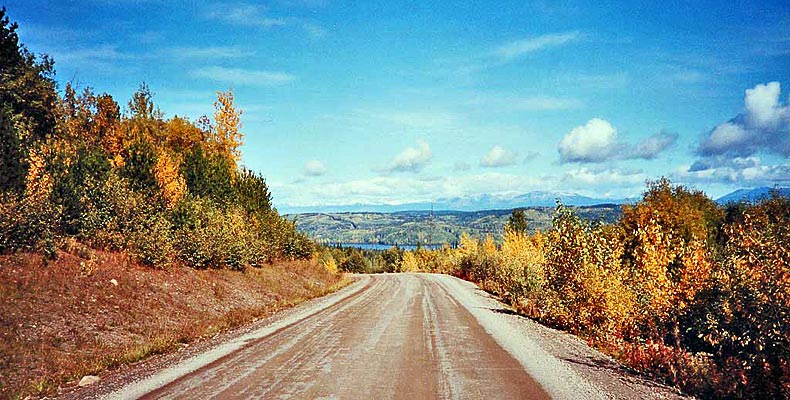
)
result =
(753, 195)
(412, 227)
(496, 201)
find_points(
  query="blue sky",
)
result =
(399, 101)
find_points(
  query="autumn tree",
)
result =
(667, 234)
(145, 119)
(585, 277)
(227, 135)
(168, 177)
(27, 102)
(183, 135)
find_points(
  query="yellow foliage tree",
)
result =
(228, 136)
(38, 183)
(666, 246)
(170, 181)
(585, 278)
(410, 262)
(183, 135)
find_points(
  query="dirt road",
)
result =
(409, 336)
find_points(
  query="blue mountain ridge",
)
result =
(464, 203)
(752, 195)
(510, 201)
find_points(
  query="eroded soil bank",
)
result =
(79, 315)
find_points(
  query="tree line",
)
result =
(77, 166)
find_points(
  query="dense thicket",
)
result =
(679, 288)
(78, 165)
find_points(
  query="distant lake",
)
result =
(379, 246)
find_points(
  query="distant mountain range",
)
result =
(752, 195)
(466, 203)
(510, 201)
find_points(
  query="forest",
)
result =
(76, 166)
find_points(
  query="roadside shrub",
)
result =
(355, 262)
(29, 222)
(743, 319)
(208, 175)
(587, 290)
(521, 275)
(26, 224)
(392, 259)
(78, 181)
(209, 236)
(327, 260)
(151, 242)
(667, 236)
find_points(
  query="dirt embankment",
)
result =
(63, 319)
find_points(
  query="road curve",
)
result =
(404, 336)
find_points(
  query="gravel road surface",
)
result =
(404, 336)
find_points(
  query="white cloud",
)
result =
(534, 103)
(604, 176)
(763, 108)
(763, 127)
(595, 141)
(255, 16)
(412, 119)
(210, 52)
(96, 54)
(240, 76)
(498, 157)
(245, 15)
(411, 159)
(517, 48)
(724, 137)
(737, 170)
(314, 168)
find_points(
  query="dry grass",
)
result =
(62, 320)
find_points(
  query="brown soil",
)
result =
(63, 319)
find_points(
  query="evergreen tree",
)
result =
(517, 221)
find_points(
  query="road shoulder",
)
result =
(134, 380)
(562, 363)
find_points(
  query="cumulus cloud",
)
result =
(314, 168)
(498, 157)
(763, 127)
(597, 141)
(411, 159)
(531, 155)
(740, 170)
